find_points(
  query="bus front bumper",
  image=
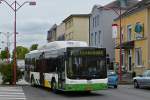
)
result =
(86, 87)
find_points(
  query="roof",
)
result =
(115, 4)
(53, 27)
(138, 7)
(76, 15)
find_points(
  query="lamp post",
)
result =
(15, 6)
(122, 6)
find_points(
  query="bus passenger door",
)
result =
(41, 66)
(61, 73)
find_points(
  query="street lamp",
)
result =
(122, 6)
(15, 6)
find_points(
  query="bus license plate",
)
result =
(89, 81)
(88, 88)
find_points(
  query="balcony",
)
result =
(126, 45)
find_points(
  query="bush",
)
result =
(7, 73)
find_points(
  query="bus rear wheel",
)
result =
(32, 81)
(53, 86)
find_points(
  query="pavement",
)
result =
(22, 82)
(0, 79)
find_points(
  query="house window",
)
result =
(123, 57)
(97, 20)
(93, 22)
(138, 56)
(91, 39)
(99, 39)
(69, 23)
(70, 36)
(95, 38)
(129, 32)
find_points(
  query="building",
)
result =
(51, 35)
(60, 34)
(101, 21)
(77, 27)
(135, 38)
(101, 29)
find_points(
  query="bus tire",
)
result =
(53, 86)
(32, 81)
(115, 86)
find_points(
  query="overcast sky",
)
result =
(33, 22)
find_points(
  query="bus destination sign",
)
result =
(88, 53)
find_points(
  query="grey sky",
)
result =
(34, 21)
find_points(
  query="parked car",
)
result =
(112, 79)
(142, 80)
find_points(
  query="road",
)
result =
(124, 92)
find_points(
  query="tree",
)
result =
(7, 75)
(21, 51)
(5, 54)
(34, 47)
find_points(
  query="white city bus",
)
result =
(67, 66)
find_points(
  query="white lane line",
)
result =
(9, 95)
(10, 91)
(12, 98)
(3, 93)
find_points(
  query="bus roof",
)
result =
(63, 44)
(53, 46)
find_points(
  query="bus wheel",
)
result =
(115, 86)
(32, 82)
(53, 86)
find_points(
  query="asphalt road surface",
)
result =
(124, 92)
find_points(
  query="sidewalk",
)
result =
(22, 82)
(0, 79)
(126, 79)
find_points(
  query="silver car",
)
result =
(142, 80)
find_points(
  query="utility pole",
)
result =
(121, 6)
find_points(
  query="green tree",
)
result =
(20, 52)
(34, 47)
(4, 54)
(7, 75)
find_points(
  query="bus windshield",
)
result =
(86, 67)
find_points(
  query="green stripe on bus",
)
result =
(86, 87)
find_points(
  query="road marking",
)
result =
(12, 93)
